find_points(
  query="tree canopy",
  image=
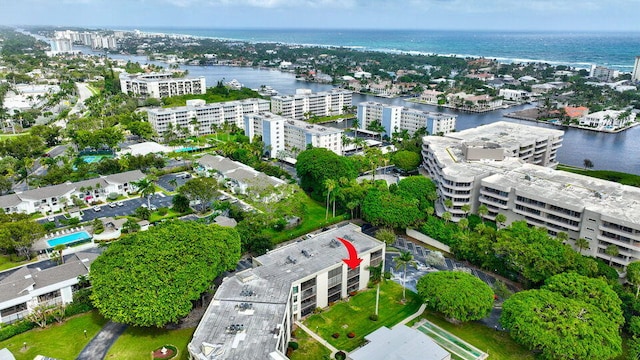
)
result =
(382, 208)
(569, 310)
(316, 165)
(150, 278)
(200, 190)
(406, 160)
(456, 294)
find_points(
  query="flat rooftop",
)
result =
(312, 255)
(448, 152)
(508, 135)
(245, 316)
(573, 191)
(207, 106)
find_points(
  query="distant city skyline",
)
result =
(508, 15)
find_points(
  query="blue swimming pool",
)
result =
(187, 149)
(69, 238)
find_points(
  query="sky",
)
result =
(512, 15)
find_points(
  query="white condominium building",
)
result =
(159, 85)
(286, 136)
(478, 173)
(200, 118)
(397, 118)
(635, 74)
(252, 312)
(535, 145)
(324, 103)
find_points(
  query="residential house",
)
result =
(28, 288)
(54, 198)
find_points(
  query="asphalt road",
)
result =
(165, 180)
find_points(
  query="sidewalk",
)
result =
(422, 308)
(317, 338)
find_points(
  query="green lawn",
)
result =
(353, 315)
(8, 262)
(322, 119)
(615, 176)
(94, 90)
(309, 348)
(6, 136)
(138, 343)
(60, 341)
(498, 344)
(155, 217)
(313, 219)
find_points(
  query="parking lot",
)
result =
(128, 207)
(165, 181)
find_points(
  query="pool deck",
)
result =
(42, 244)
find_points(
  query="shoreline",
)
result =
(500, 59)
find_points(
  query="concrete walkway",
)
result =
(422, 308)
(98, 346)
(318, 338)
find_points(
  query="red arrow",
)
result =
(353, 261)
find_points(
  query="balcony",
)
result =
(613, 230)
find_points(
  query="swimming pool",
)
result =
(187, 149)
(94, 158)
(69, 239)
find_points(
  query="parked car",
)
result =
(120, 203)
(51, 219)
(153, 208)
(112, 205)
(97, 208)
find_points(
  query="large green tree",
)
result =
(406, 160)
(18, 232)
(420, 188)
(382, 208)
(200, 190)
(151, 278)
(570, 317)
(316, 165)
(457, 295)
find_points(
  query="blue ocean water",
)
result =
(579, 49)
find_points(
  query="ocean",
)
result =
(578, 49)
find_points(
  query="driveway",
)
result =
(98, 347)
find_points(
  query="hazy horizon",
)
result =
(464, 15)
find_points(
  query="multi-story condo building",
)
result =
(324, 103)
(531, 144)
(602, 73)
(396, 118)
(159, 85)
(635, 74)
(252, 312)
(200, 118)
(485, 173)
(286, 136)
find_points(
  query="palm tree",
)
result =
(448, 203)
(405, 258)
(146, 188)
(59, 248)
(583, 243)
(463, 224)
(501, 219)
(329, 184)
(483, 210)
(174, 183)
(562, 237)
(446, 216)
(465, 208)
(612, 251)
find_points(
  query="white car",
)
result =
(51, 219)
(97, 208)
(120, 203)
(112, 205)
(153, 208)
